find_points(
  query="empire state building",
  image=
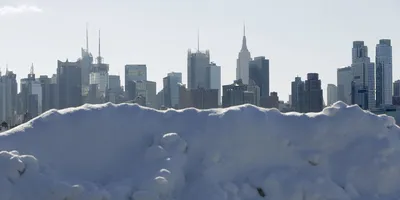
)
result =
(242, 63)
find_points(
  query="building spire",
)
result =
(244, 42)
(99, 58)
(32, 69)
(244, 28)
(87, 38)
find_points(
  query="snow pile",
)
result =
(121, 152)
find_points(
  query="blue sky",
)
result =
(297, 36)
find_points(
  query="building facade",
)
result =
(171, 85)
(384, 73)
(197, 65)
(69, 84)
(214, 79)
(313, 98)
(332, 94)
(363, 84)
(344, 80)
(243, 60)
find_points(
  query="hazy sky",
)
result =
(297, 36)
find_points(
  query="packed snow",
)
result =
(121, 152)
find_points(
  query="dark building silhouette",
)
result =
(296, 104)
(199, 98)
(238, 94)
(259, 73)
(70, 84)
(273, 100)
(313, 98)
(46, 93)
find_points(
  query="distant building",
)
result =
(171, 85)
(214, 78)
(197, 69)
(238, 94)
(344, 80)
(396, 93)
(199, 98)
(146, 89)
(384, 73)
(115, 91)
(242, 63)
(332, 94)
(135, 73)
(259, 73)
(69, 84)
(45, 83)
(8, 97)
(296, 102)
(363, 83)
(86, 62)
(160, 99)
(273, 101)
(313, 98)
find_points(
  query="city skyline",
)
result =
(314, 46)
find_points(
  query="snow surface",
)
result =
(121, 152)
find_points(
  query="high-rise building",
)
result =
(171, 85)
(344, 80)
(8, 97)
(99, 75)
(54, 95)
(86, 63)
(396, 93)
(396, 88)
(259, 73)
(295, 101)
(363, 85)
(145, 89)
(46, 93)
(198, 62)
(69, 84)
(151, 98)
(273, 100)
(238, 94)
(313, 98)
(242, 63)
(114, 82)
(384, 73)
(135, 73)
(31, 95)
(160, 99)
(332, 94)
(214, 76)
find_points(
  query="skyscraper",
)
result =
(259, 73)
(135, 73)
(69, 84)
(8, 97)
(86, 62)
(313, 98)
(171, 85)
(31, 95)
(344, 79)
(198, 62)
(242, 63)
(296, 103)
(214, 78)
(99, 74)
(332, 94)
(384, 73)
(363, 86)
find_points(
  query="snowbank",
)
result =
(121, 152)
